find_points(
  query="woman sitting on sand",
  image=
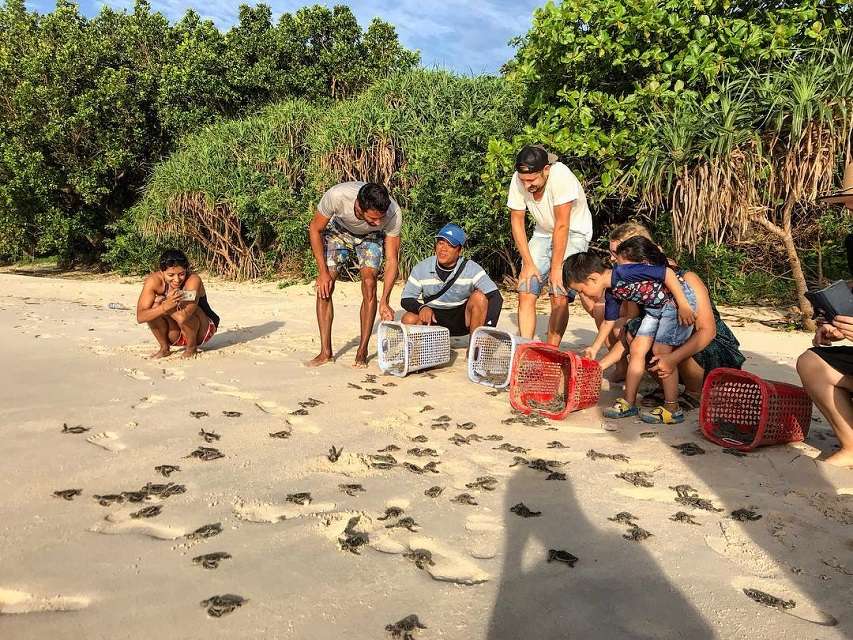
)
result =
(712, 344)
(174, 304)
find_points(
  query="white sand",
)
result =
(69, 359)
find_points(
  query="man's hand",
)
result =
(843, 326)
(426, 315)
(385, 311)
(324, 285)
(528, 271)
(662, 366)
(556, 284)
(589, 353)
(686, 317)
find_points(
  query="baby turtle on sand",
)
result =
(209, 436)
(544, 466)
(164, 490)
(310, 403)
(473, 437)
(389, 384)
(556, 444)
(199, 414)
(487, 483)
(432, 467)
(495, 393)
(383, 459)
(427, 408)
(109, 499)
(369, 378)
(75, 430)
(683, 516)
(135, 496)
(231, 414)
(637, 534)
(350, 540)
(404, 628)
(211, 560)
(300, 412)
(352, 385)
(458, 439)
(377, 392)
(743, 515)
(68, 494)
(649, 434)
(592, 454)
(465, 498)
(421, 453)
(555, 405)
(389, 448)
(734, 452)
(689, 449)
(558, 555)
(420, 438)
(421, 394)
(444, 426)
(351, 489)
(206, 531)
(367, 397)
(281, 435)
(506, 446)
(334, 453)
(206, 453)
(494, 437)
(166, 470)
(623, 517)
(391, 512)
(556, 475)
(466, 426)
(433, 492)
(517, 460)
(404, 523)
(686, 498)
(421, 557)
(522, 510)
(444, 418)
(299, 498)
(769, 601)
(637, 478)
(148, 512)
(218, 606)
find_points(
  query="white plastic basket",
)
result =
(404, 348)
(490, 356)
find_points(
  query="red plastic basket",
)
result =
(551, 382)
(742, 411)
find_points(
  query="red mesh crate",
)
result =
(551, 382)
(742, 411)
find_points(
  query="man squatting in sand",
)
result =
(470, 301)
(356, 221)
(556, 200)
(174, 304)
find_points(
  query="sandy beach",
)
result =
(345, 562)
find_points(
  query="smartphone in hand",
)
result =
(188, 296)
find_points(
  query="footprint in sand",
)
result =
(107, 440)
(12, 601)
(146, 528)
(136, 374)
(486, 533)
(735, 543)
(228, 390)
(447, 564)
(174, 374)
(148, 401)
(265, 512)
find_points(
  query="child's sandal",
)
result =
(621, 409)
(662, 415)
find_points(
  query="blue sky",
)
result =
(467, 37)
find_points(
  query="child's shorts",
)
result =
(661, 323)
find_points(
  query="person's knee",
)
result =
(660, 349)
(810, 369)
(368, 283)
(527, 300)
(478, 300)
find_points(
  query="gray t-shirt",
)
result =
(339, 203)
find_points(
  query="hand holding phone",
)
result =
(188, 296)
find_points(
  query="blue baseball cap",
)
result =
(453, 233)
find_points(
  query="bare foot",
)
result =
(161, 353)
(360, 361)
(321, 359)
(842, 458)
(189, 353)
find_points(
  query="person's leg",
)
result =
(559, 319)
(528, 292)
(189, 325)
(475, 311)
(368, 314)
(670, 383)
(527, 314)
(692, 376)
(160, 328)
(411, 318)
(640, 347)
(830, 390)
(337, 254)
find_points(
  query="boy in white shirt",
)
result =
(556, 200)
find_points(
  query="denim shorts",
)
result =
(661, 323)
(541, 251)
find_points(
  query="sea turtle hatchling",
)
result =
(311, 402)
(556, 475)
(592, 454)
(734, 452)
(558, 555)
(350, 540)
(391, 512)
(465, 498)
(389, 384)
(636, 478)
(458, 439)
(209, 436)
(421, 557)
(418, 452)
(334, 453)
(68, 494)
(433, 492)
(494, 437)
(211, 560)
(109, 499)
(164, 490)
(506, 446)
(487, 483)
(135, 496)
(556, 444)
(745, 515)
(683, 516)
(148, 512)
(623, 517)
(689, 497)
(218, 606)
(231, 414)
(689, 449)
(206, 454)
(299, 498)
(377, 391)
(426, 408)
(466, 426)
(367, 397)
(369, 378)
(444, 426)
(637, 534)
(166, 470)
(421, 394)
(404, 523)
(351, 489)
(281, 435)
(404, 628)
(420, 438)
(768, 600)
(389, 449)
(199, 414)
(352, 385)
(524, 511)
(383, 459)
(206, 531)
(444, 418)
(75, 430)
(299, 412)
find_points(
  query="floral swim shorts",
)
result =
(342, 246)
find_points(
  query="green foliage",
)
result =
(89, 105)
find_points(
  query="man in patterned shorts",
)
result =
(355, 222)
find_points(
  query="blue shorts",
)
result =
(541, 251)
(661, 323)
